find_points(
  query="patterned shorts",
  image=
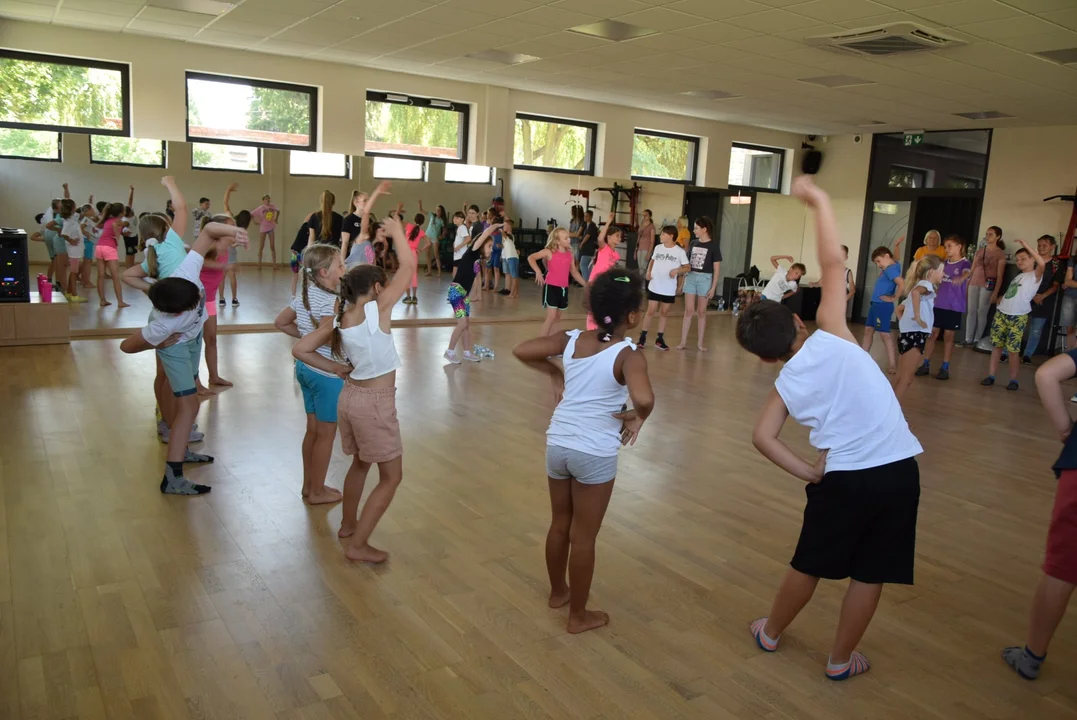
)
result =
(1007, 331)
(461, 303)
(912, 341)
(294, 262)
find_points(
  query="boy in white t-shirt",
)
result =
(1011, 315)
(786, 281)
(71, 234)
(864, 487)
(668, 262)
(175, 332)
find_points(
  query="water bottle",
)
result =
(736, 308)
(721, 304)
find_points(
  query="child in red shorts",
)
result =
(1060, 564)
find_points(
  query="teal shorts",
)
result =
(181, 362)
(320, 392)
(697, 283)
(89, 246)
(51, 244)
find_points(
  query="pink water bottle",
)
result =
(41, 282)
(46, 292)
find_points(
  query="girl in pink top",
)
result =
(559, 265)
(609, 237)
(267, 216)
(417, 240)
(107, 254)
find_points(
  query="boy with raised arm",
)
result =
(863, 489)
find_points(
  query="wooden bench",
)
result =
(35, 322)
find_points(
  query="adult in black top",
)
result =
(588, 245)
(703, 255)
(1043, 303)
(335, 229)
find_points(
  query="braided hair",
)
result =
(611, 297)
(316, 257)
(358, 281)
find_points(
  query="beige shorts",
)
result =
(368, 425)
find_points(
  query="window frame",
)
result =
(125, 92)
(780, 152)
(920, 172)
(347, 167)
(425, 169)
(488, 181)
(310, 90)
(670, 136)
(463, 143)
(589, 158)
(164, 156)
(59, 150)
(979, 185)
(259, 171)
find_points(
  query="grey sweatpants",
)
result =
(979, 305)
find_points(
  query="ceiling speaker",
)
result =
(811, 162)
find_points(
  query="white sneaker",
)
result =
(452, 357)
(194, 437)
(472, 357)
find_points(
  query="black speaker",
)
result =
(14, 266)
(811, 162)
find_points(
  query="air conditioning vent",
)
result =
(885, 40)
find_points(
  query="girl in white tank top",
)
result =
(365, 354)
(602, 369)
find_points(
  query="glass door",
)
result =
(889, 226)
(735, 235)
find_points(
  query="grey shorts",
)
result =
(565, 464)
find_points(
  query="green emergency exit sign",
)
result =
(913, 139)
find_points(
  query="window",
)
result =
(320, 164)
(226, 157)
(30, 144)
(756, 166)
(390, 168)
(661, 156)
(238, 111)
(46, 92)
(907, 177)
(554, 145)
(107, 150)
(416, 127)
(960, 182)
(477, 174)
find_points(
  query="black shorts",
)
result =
(130, 245)
(664, 299)
(861, 524)
(554, 297)
(912, 341)
(947, 319)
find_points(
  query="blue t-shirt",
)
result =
(886, 284)
(170, 255)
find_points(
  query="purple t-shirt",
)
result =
(953, 295)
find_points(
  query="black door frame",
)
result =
(721, 194)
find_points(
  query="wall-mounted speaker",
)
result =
(811, 162)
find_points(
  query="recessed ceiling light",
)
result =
(710, 94)
(612, 30)
(833, 81)
(1066, 57)
(984, 115)
(503, 57)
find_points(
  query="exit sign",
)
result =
(913, 139)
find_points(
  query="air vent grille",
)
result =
(883, 40)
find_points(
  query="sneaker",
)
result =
(1026, 360)
(221, 302)
(923, 370)
(988, 381)
(194, 437)
(1004, 357)
(661, 344)
(503, 292)
(472, 357)
(1074, 398)
(235, 302)
(943, 374)
(452, 357)
(1012, 385)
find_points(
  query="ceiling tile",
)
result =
(26, 11)
(554, 18)
(1008, 28)
(874, 20)
(960, 12)
(1057, 39)
(716, 53)
(454, 18)
(773, 21)
(663, 19)
(1041, 6)
(225, 39)
(1065, 18)
(835, 11)
(318, 32)
(175, 17)
(505, 31)
(803, 33)
(81, 18)
(149, 27)
(103, 7)
(766, 45)
(716, 32)
(600, 8)
(666, 41)
(343, 54)
(915, 4)
(503, 8)
(718, 10)
(283, 47)
(570, 41)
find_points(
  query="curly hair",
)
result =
(612, 296)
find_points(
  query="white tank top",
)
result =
(583, 420)
(371, 351)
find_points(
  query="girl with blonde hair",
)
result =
(554, 283)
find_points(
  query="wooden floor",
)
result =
(118, 602)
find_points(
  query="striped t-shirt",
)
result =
(322, 304)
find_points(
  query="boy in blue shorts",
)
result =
(887, 288)
(863, 488)
(175, 333)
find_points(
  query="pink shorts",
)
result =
(106, 253)
(368, 425)
(73, 263)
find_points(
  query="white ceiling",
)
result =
(753, 48)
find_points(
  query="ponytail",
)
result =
(335, 344)
(328, 199)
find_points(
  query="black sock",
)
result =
(177, 468)
(659, 337)
(643, 336)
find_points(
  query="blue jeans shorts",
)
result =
(879, 315)
(697, 283)
(320, 392)
(181, 362)
(88, 246)
(511, 267)
(50, 243)
(565, 464)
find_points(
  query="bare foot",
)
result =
(324, 497)
(105, 303)
(701, 348)
(366, 553)
(220, 381)
(591, 619)
(346, 530)
(559, 599)
(123, 304)
(681, 347)
(204, 391)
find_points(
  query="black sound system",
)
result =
(14, 266)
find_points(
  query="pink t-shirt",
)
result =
(557, 268)
(607, 258)
(108, 233)
(266, 215)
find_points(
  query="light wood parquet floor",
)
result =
(117, 602)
